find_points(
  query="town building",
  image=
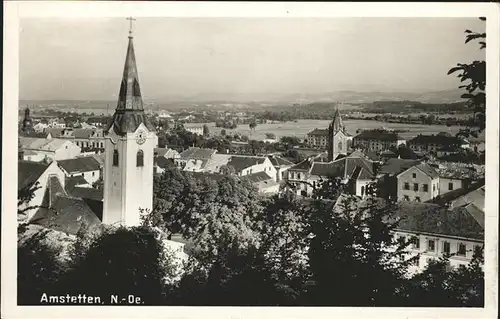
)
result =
(87, 167)
(264, 183)
(433, 231)
(42, 149)
(281, 165)
(247, 165)
(169, 153)
(355, 171)
(161, 164)
(388, 176)
(419, 183)
(439, 142)
(194, 159)
(317, 138)
(377, 140)
(436, 231)
(198, 130)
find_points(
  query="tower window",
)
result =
(140, 158)
(340, 146)
(115, 158)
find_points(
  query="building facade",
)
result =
(436, 143)
(377, 140)
(419, 183)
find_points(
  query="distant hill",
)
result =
(247, 102)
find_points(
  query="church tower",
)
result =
(130, 140)
(27, 123)
(337, 137)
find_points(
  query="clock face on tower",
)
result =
(140, 137)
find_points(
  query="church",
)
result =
(130, 140)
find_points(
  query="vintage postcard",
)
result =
(246, 160)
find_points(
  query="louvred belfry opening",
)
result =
(129, 113)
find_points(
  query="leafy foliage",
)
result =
(38, 269)
(474, 76)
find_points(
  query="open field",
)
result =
(302, 127)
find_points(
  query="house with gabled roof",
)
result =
(264, 183)
(281, 165)
(419, 183)
(245, 165)
(39, 149)
(87, 167)
(194, 159)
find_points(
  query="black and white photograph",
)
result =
(288, 161)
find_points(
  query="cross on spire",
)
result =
(130, 28)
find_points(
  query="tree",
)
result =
(271, 136)
(252, 125)
(24, 197)
(38, 269)
(441, 285)
(223, 132)
(475, 73)
(121, 261)
(353, 246)
(206, 131)
(289, 141)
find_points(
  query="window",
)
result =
(416, 242)
(362, 190)
(431, 245)
(140, 158)
(417, 199)
(282, 174)
(461, 249)
(414, 175)
(450, 186)
(415, 187)
(407, 198)
(406, 186)
(93, 173)
(426, 188)
(433, 187)
(115, 158)
(446, 247)
(298, 175)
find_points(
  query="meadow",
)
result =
(302, 127)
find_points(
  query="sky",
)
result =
(82, 59)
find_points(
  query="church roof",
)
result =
(129, 113)
(64, 212)
(67, 214)
(29, 173)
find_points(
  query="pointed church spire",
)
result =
(337, 123)
(129, 113)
